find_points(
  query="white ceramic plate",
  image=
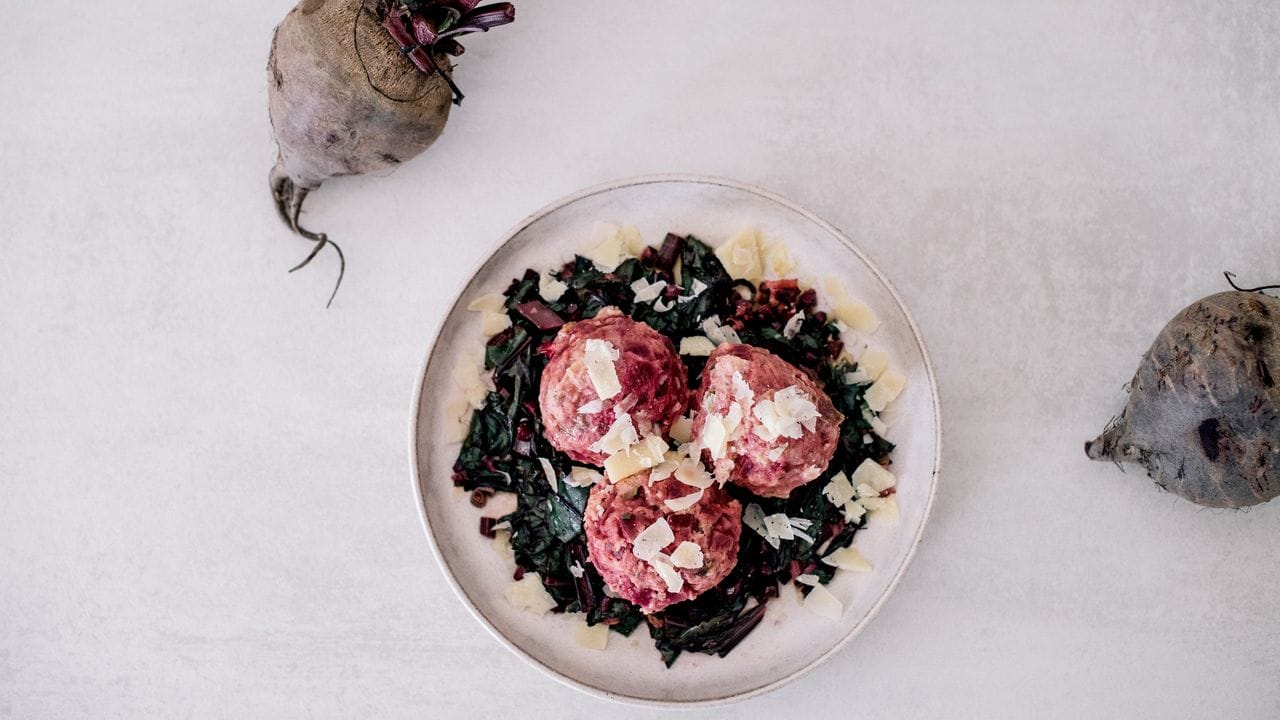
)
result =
(790, 640)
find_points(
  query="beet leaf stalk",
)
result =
(359, 86)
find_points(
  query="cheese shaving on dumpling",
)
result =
(775, 454)
(667, 571)
(652, 540)
(681, 504)
(620, 435)
(682, 430)
(742, 392)
(692, 473)
(592, 407)
(688, 555)
(599, 357)
(788, 414)
(696, 346)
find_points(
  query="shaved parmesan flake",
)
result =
(663, 305)
(682, 430)
(696, 345)
(501, 544)
(458, 414)
(848, 558)
(877, 425)
(550, 472)
(620, 436)
(646, 291)
(681, 504)
(839, 491)
(835, 288)
(864, 490)
(631, 240)
(599, 357)
(822, 602)
(874, 363)
(652, 540)
(885, 390)
(492, 323)
(667, 571)
(592, 407)
(609, 249)
(858, 377)
(872, 504)
(792, 328)
(661, 471)
(857, 316)
(741, 256)
(718, 333)
(691, 472)
(550, 288)
(853, 512)
(753, 517)
(874, 477)
(687, 555)
(592, 637)
(776, 454)
(715, 436)
(887, 513)
(473, 381)
(576, 569)
(778, 525)
(529, 595)
(635, 458)
(788, 414)
(742, 392)
(492, 302)
(778, 257)
(808, 579)
(583, 477)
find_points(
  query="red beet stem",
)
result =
(540, 315)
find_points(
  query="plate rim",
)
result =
(415, 460)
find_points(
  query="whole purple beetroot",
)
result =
(357, 86)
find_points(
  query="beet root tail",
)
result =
(289, 196)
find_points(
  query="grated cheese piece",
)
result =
(696, 345)
(778, 525)
(857, 316)
(688, 555)
(576, 569)
(592, 637)
(877, 425)
(591, 408)
(493, 302)
(458, 414)
(646, 291)
(667, 571)
(550, 472)
(583, 476)
(885, 390)
(681, 504)
(853, 512)
(874, 476)
(652, 540)
(599, 357)
(822, 602)
(620, 435)
(848, 558)
(550, 288)
(501, 544)
(529, 595)
(874, 363)
(858, 377)
(839, 490)
(808, 579)
(718, 333)
(742, 392)
(492, 323)
(741, 256)
(753, 517)
(776, 454)
(691, 472)
(787, 414)
(792, 328)
(682, 430)
(778, 258)
(887, 513)
(635, 458)
(609, 249)
(632, 240)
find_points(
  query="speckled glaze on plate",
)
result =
(790, 641)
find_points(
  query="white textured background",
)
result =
(206, 506)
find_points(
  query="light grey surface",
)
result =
(208, 510)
